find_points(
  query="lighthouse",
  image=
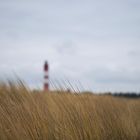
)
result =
(46, 76)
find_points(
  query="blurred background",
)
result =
(93, 43)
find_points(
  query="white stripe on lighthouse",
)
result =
(46, 81)
(46, 73)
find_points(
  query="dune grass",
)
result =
(28, 115)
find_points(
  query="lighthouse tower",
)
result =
(46, 76)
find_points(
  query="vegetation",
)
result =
(28, 115)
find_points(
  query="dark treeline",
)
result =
(117, 94)
(128, 94)
(123, 94)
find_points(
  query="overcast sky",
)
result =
(96, 42)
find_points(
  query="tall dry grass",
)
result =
(27, 115)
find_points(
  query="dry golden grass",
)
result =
(25, 115)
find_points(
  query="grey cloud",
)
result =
(96, 42)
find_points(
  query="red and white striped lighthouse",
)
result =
(46, 76)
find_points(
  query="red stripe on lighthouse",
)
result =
(46, 76)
